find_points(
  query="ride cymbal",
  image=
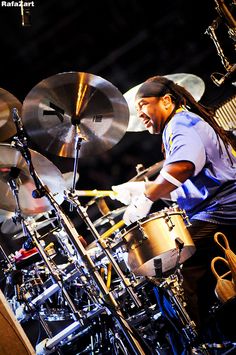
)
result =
(67, 104)
(7, 103)
(190, 82)
(12, 164)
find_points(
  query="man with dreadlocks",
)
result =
(198, 173)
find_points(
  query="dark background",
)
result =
(124, 42)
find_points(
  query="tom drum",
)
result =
(157, 243)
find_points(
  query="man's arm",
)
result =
(162, 186)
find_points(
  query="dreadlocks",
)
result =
(158, 86)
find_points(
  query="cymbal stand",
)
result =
(42, 190)
(102, 242)
(110, 301)
(78, 141)
(35, 237)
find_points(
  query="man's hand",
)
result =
(128, 191)
(139, 208)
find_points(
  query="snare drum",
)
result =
(157, 243)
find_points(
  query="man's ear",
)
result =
(167, 100)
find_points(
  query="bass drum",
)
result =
(157, 243)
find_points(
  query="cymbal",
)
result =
(149, 172)
(10, 227)
(69, 177)
(190, 82)
(109, 216)
(12, 162)
(5, 215)
(38, 226)
(135, 124)
(66, 104)
(7, 103)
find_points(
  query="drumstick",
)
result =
(96, 193)
(112, 229)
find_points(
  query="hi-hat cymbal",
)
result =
(149, 172)
(7, 103)
(12, 162)
(190, 82)
(38, 225)
(63, 105)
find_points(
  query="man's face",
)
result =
(153, 113)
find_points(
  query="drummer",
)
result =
(198, 173)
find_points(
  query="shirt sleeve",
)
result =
(183, 143)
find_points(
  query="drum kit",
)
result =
(103, 297)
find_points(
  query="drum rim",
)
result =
(150, 217)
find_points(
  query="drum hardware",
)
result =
(73, 198)
(168, 221)
(49, 289)
(32, 234)
(73, 236)
(172, 288)
(227, 18)
(98, 280)
(49, 345)
(38, 225)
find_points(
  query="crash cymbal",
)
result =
(7, 103)
(190, 82)
(12, 163)
(63, 105)
(149, 172)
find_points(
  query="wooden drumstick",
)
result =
(111, 230)
(96, 193)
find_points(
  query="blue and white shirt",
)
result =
(209, 195)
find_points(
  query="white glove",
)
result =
(138, 209)
(126, 192)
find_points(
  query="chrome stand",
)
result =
(104, 296)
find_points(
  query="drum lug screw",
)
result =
(169, 222)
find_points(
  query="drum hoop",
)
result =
(155, 215)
